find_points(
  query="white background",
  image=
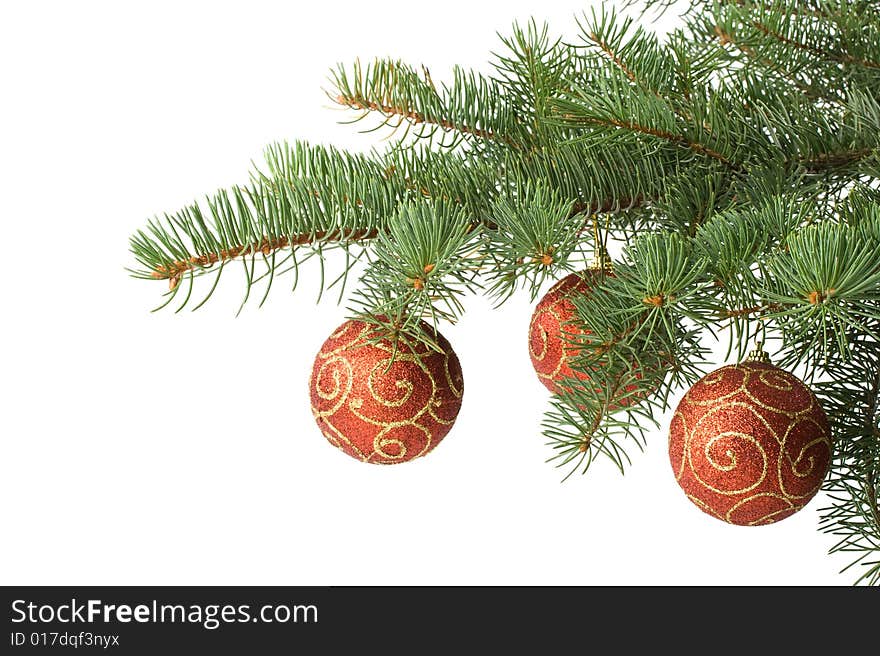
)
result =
(145, 448)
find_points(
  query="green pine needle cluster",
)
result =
(735, 162)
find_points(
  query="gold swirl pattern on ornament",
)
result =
(801, 455)
(727, 468)
(789, 507)
(544, 336)
(334, 354)
(457, 390)
(542, 311)
(783, 384)
(339, 332)
(339, 348)
(796, 417)
(356, 404)
(787, 386)
(684, 444)
(743, 388)
(716, 378)
(705, 507)
(404, 385)
(440, 420)
(731, 456)
(380, 442)
(335, 437)
(329, 396)
(823, 443)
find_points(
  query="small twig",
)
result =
(841, 58)
(417, 118)
(871, 421)
(825, 160)
(726, 38)
(669, 136)
(174, 270)
(614, 57)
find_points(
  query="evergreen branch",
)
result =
(425, 260)
(741, 179)
(755, 309)
(536, 231)
(833, 160)
(828, 278)
(841, 58)
(532, 72)
(852, 397)
(625, 109)
(317, 196)
(671, 137)
(725, 38)
(612, 55)
(174, 271)
(312, 197)
(417, 118)
(472, 106)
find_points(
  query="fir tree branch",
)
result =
(725, 38)
(841, 58)
(417, 118)
(755, 309)
(832, 160)
(471, 106)
(606, 48)
(175, 270)
(671, 137)
(871, 428)
(742, 180)
(852, 397)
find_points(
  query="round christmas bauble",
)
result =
(750, 444)
(551, 330)
(384, 402)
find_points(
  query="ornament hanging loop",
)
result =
(758, 354)
(601, 259)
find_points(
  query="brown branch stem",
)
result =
(669, 136)
(841, 58)
(613, 57)
(175, 269)
(726, 38)
(823, 161)
(417, 118)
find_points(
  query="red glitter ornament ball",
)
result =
(381, 410)
(550, 330)
(750, 444)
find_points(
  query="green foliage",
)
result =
(536, 233)
(472, 107)
(851, 395)
(735, 160)
(423, 262)
(828, 282)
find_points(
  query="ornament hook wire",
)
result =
(601, 259)
(758, 354)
